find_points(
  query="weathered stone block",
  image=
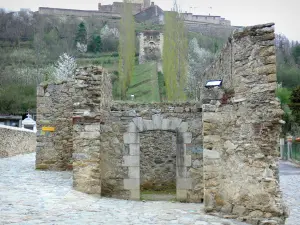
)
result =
(138, 121)
(209, 108)
(211, 138)
(272, 78)
(131, 138)
(166, 124)
(187, 137)
(131, 160)
(179, 110)
(134, 149)
(181, 171)
(135, 194)
(131, 184)
(175, 123)
(90, 135)
(92, 127)
(183, 127)
(132, 128)
(148, 125)
(186, 160)
(267, 69)
(157, 121)
(181, 195)
(134, 172)
(184, 183)
(210, 154)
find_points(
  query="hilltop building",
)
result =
(143, 11)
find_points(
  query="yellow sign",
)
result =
(51, 129)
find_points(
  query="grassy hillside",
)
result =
(144, 85)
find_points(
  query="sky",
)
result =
(284, 13)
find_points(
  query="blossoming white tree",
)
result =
(65, 67)
(81, 47)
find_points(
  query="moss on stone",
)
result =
(42, 167)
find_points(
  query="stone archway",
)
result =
(132, 161)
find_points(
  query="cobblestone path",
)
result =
(290, 186)
(40, 197)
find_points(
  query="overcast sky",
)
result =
(285, 13)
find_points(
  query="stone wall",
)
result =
(208, 29)
(16, 141)
(91, 100)
(120, 147)
(151, 46)
(158, 160)
(54, 110)
(241, 130)
(79, 13)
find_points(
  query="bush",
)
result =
(17, 98)
(295, 96)
(115, 54)
(284, 95)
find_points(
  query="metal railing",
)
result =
(294, 152)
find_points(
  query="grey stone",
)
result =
(184, 183)
(131, 161)
(132, 184)
(131, 138)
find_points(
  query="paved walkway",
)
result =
(290, 186)
(40, 197)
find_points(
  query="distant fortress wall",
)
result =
(207, 29)
(74, 12)
(206, 19)
(206, 25)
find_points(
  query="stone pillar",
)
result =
(241, 131)
(183, 179)
(91, 99)
(54, 126)
(211, 157)
(132, 162)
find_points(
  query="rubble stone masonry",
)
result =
(54, 111)
(241, 130)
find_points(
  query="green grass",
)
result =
(145, 80)
(144, 85)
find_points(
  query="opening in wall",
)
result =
(158, 165)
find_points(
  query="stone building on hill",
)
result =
(116, 7)
(143, 11)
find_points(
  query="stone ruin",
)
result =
(221, 150)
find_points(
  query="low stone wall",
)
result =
(15, 141)
(241, 129)
(122, 139)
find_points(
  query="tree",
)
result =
(175, 55)
(81, 35)
(199, 59)
(126, 48)
(65, 67)
(95, 45)
(110, 39)
(296, 53)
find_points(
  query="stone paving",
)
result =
(34, 197)
(290, 186)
